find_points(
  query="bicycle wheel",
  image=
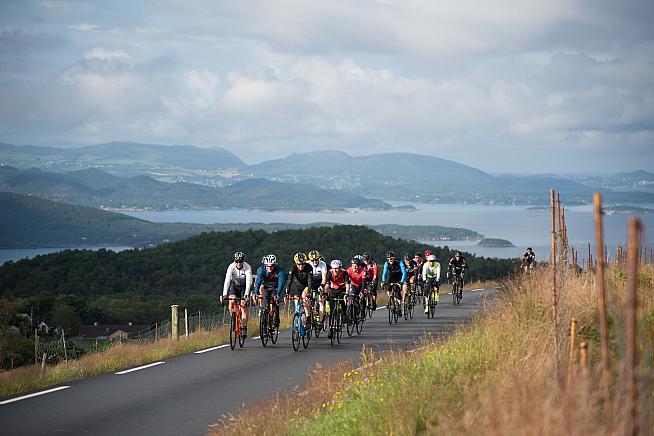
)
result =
(232, 331)
(412, 305)
(454, 292)
(263, 327)
(360, 319)
(369, 306)
(274, 329)
(339, 324)
(307, 335)
(317, 323)
(295, 332)
(350, 319)
(405, 307)
(391, 308)
(432, 303)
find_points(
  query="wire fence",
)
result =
(64, 348)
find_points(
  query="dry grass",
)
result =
(500, 374)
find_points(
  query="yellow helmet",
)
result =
(314, 255)
(300, 258)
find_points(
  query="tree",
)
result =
(66, 317)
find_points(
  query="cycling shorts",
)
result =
(236, 291)
(354, 290)
(267, 294)
(296, 290)
(336, 293)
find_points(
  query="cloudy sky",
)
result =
(505, 86)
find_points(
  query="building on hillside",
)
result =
(111, 332)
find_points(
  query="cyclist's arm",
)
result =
(403, 268)
(424, 272)
(248, 280)
(257, 283)
(289, 281)
(310, 277)
(324, 277)
(375, 272)
(438, 271)
(385, 272)
(280, 281)
(228, 279)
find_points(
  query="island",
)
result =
(495, 243)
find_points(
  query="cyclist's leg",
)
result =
(307, 302)
(373, 293)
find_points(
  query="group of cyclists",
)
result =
(310, 279)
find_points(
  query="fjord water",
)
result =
(515, 223)
(522, 227)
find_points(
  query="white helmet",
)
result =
(431, 257)
(269, 260)
(336, 263)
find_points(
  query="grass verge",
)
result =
(503, 374)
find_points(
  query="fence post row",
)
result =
(631, 347)
(554, 291)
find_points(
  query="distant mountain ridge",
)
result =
(93, 187)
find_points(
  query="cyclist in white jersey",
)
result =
(319, 278)
(238, 283)
(431, 274)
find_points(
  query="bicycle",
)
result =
(299, 327)
(431, 300)
(457, 288)
(393, 303)
(335, 320)
(317, 318)
(354, 320)
(268, 328)
(235, 324)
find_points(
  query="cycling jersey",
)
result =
(317, 273)
(411, 269)
(337, 281)
(270, 279)
(529, 257)
(394, 273)
(240, 279)
(371, 271)
(358, 278)
(459, 265)
(431, 272)
(298, 280)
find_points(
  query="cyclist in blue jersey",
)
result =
(394, 272)
(270, 282)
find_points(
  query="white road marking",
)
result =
(212, 349)
(139, 368)
(24, 397)
(381, 307)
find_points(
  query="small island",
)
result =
(495, 243)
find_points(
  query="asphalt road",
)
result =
(187, 393)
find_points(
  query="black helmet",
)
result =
(358, 260)
(417, 254)
(238, 256)
(528, 248)
(407, 256)
(457, 253)
(390, 254)
(366, 257)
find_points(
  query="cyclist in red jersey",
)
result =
(338, 285)
(371, 277)
(357, 276)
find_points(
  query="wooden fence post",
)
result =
(63, 339)
(600, 280)
(44, 361)
(36, 345)
(583, 357)
(572, 349)
(631, 346)
(174, 321)
(555, 314)
(186, 323)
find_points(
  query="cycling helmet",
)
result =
(269, 260)
(358, 260)
(431, 257)
(417, 254)
(300, 258)
(407, 256)
(239, 256)
(427, 253)
(314, 255)
(457, 253)
(366, 257)
(390, 254)
(528, 248)
(336, 263)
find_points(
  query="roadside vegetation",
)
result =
(118, 357)
(503, 374)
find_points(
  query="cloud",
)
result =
(84, 26)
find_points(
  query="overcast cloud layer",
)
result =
(505, 86)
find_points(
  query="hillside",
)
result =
(29, 221)
(130, 285)
(94, 187)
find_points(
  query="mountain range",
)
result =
(389, 176)
(94, 187)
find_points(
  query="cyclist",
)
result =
(319, 271)
(357, 275)
(411, 273)
(456, 267)
(417, 258)
(300, 280)
(371, 277)
(270, 282)
(431, 275)
(338, 284)
(528, 260)
(238, 281)
(394, 272)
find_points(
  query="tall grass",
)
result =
(498, 376)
